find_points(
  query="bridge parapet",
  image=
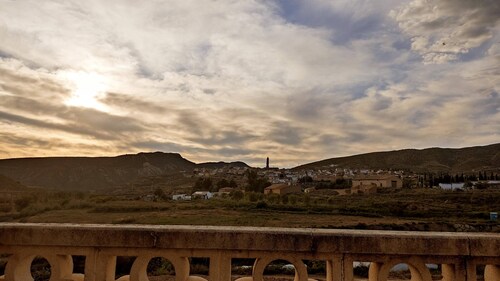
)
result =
(457, 253)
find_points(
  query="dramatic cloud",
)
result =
(243, 80)
(442, 31)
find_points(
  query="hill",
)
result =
(92, 173)
(478, 158)
(218, 165)
(8, 184)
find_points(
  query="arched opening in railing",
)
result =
(241, 269)
(316, 269)
(360, 269)
(400, 271)
(290, 266)
(40, 269)
(4, 258)
(406, 269)
(123, 267)
(198, 268)
(78, 273)
(145, 267)
(159, 268)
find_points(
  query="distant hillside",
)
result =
(8, 184)
(91, 173)
(478, 158)
(218, 165)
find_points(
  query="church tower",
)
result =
(267, 163)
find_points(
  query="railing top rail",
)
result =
(250, 239)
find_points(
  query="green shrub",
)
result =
(273, 198)
(261, 205)
(40, 269)
(253, 196)
(160, 266)
(236, 195)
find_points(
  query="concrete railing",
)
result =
(458, 253)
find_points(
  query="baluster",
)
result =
(470, 267)
(181, 265)
(61, 267)
(448, 272)
(491, 272)
(339, 269)
(100, 266)
(19, 268)
(220, 267)
(261, 263)
(139, 270)
(374, 270)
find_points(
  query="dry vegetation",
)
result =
(422, 209)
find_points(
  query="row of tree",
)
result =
(434, 180)
(339, 183)
(208, 184)
(254, 183)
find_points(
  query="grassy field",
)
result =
(416, 210)
(424, 210)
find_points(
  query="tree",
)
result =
(305, 179)
(233, 183)
(256, 183)
(293, 199)
(222, 183)
(203, 184)
(236, 195)
(307, 200)
(160, 193)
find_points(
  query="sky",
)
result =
(242, 80)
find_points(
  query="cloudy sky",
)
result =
(229, 80)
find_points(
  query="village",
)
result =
(331, 180)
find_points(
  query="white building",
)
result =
(181, 197)
(202, 194)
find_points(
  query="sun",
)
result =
(86, 89)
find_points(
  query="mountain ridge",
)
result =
(91, 173)
(100, 173)
(433, 160)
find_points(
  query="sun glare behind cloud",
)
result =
(86, 89)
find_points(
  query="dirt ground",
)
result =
(266, 278)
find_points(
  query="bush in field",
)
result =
(273, 198)
(253, 196)
(307, 200)
(236, 195)
(331, 200)
(22, 203)
(261, 205)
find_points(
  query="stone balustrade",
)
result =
(458, 253)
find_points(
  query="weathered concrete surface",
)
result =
(459, 253)
(251, 238)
